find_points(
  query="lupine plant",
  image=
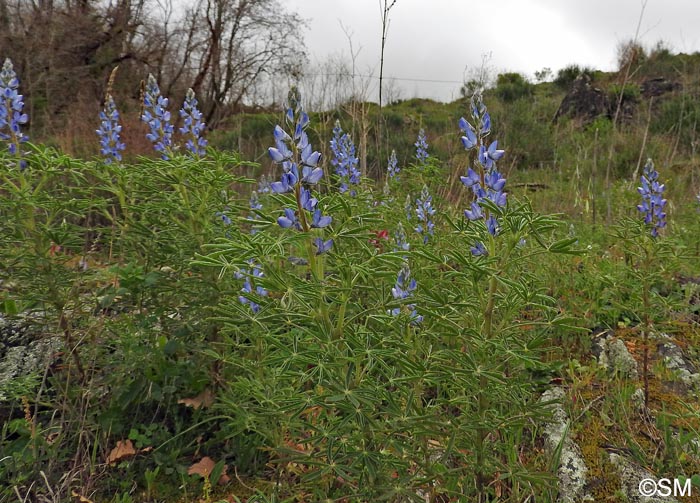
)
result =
(12, 116)
(344, 159)
(193, 126)
(421, 148)
(402, 290)
(294, 153)
(110, 132)
(643, 243)
(392, 169)
(495, 289)
(157, 117)
(424, 214)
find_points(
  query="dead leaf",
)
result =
(204, 399)
(124, 449)
(81, 498)
(202, 468)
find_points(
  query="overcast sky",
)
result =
(446, 39)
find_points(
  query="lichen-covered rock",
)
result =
(630, 477)
(675, 361)
(24, 352)
(612, 354)
(572, 469)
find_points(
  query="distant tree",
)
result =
(512, 86)
(226, 50)
(630, 54)
(235, 46)
(566, 76)
(543, 75)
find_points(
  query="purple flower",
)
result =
(157, 117)
(193, 126)
(479, 249)
(485, 181)
(344, 160)
(289, 219)
(393, 168)
(653, 203)
(469, 139)
(322, 246)
(318, 221)
(421, 147)
(109, 132)
(11, 115)
(402, 290)
(249, 276)
(425, 211)
(487, 156)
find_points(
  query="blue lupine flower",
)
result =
(322, 246)
(110, 128)
(393, 166)
(289, 219)
(487, 156)
(344, 160)
(492, 225)
(223, 216)
(193, 126)
(479, 249)
(653, 203)
(408, 207)
(263, 185)
(485, 182)
(425, 211)
(157, 118)
(247, 276)
(307, 201)
(11, 114)
(318, 221)
(255, 205)
(421, 147)
(402, 290)
(400, 239)
(293, 151)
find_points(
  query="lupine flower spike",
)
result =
(11, 114)
(421, 148)
(653, 203)
(424, 212)
(485, 181)
(344, 160)
(109, 132)
(400, 240)
(249, 287)
(263, 185)
(193, 126)
(403, 289)
(393, 166)
(294, 152)
(157, 117)
(255, 205)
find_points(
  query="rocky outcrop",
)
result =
(572, 470)
(24, 350)
(583, 101)
(658, 86)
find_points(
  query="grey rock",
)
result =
(612, 354)
(675, 361)
(572, 469)
(630, 477)
(24, 352)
